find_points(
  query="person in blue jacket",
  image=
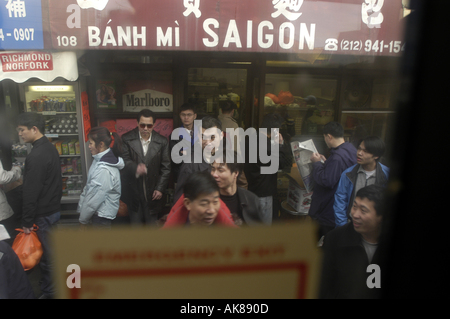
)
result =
(367, 171)
(99, 201)
(326, 175)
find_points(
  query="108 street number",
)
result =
(66, 41)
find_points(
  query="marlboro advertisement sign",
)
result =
(360, 27)
(147, 94)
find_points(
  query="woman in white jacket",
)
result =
(99, 201)
(6, 211)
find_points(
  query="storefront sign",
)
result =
(366, 27)
(281, 261)
(21, 66)
(26, 61)
(21, 25)
(154, 94)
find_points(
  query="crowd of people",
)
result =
(214, 184)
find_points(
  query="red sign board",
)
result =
(363, 27)
(86, 116)
(26, 61)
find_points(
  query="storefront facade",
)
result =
(311, 61)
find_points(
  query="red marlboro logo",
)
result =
(26, 61)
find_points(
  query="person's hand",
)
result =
(315, 157)
(141, 169)
(156, 195)
(277, 138)
(27, 230)
(280, 140)
(323, 158)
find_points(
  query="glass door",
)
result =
(208, 86)
(63, 127)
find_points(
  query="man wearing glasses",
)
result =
(147, 170)
(188, 131)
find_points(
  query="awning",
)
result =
(20, 66)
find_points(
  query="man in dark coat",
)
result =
(326, 175)
(42, 191)
(261, 182)
(147, 165)
(208, 129)
(188, 132)
(349, 250)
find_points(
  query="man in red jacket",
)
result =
(200, 204)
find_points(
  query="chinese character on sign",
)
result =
(287, 8)
(192, 6)
(16, 6)
(370, 13)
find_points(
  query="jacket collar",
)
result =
(351, 238)
(40, 141)
(227, 116)
(134, 140)
(243, 200)
(379, 174)
(98, 156)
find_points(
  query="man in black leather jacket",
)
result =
(147, 168)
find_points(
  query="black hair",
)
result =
(188, 106)
(272, 120)
(30, 119)
(102, 134)
(227, 106)
(210, 122)
(335, 129)
(145, 113)
(235, 165)
(199, 183)
(374, 145)
(374, 193)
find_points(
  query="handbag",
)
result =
(28, 248)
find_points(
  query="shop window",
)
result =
(207, 86)
(367, 106)
(306, 102)
(134, 91)
(358, 125)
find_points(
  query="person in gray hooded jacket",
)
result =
(99, 201)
